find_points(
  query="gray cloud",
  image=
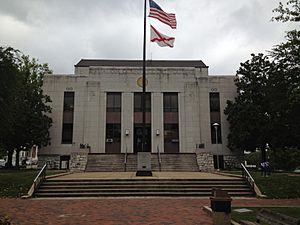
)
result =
(61, 32)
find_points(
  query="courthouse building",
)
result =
(99, 110)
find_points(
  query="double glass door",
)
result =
(138, 137)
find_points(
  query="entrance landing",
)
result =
(131, 175)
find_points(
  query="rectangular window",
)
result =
(113, 122)
(68, 118)
(171, 126)
(215, 118)
(214, 102)
(69, 101)
(113, 103)
(170, 102)
(113, 133)
(138, 102)
(171, 133)
(216, 137)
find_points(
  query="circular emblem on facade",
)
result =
(139, 82)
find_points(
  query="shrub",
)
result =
(285, 159)
(253, 158)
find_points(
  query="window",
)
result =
(138, 102)
(171, 134)
(69, 101)
(214, 102)
(215, 117)
(68, 118)
(113, 103)
(170, 102)
(113, 133)
(215, 136)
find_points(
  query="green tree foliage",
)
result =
(290, 12)
(23, 115)
(267, 107)
(286, 158)
(248, 115)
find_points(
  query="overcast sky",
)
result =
(221, 33)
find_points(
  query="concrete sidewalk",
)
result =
(131, 175)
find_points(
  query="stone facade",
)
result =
(205, 161)
(53, 161)
(78, 161)
(94, 79)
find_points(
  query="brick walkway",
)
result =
(120, 211)
(105, 211)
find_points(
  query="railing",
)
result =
(39, 178)
(250, 180)
(247, 176)
(159, 158)
(125, 159)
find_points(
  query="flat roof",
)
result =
(139, 63)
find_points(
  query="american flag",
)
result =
(157, 13)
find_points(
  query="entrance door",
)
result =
(138, 137)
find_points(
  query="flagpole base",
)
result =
(143, 173)
(144, 164)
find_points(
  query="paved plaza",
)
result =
(119, 211)
(123, 211)
(132, 175)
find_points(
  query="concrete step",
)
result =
(140, 187)
(135, 194)
(149, 181)
(115, 162)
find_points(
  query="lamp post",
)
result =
(216, 125)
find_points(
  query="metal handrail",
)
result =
(125, 159)
(39, 178)
(159, 158)
(248, 176)
(251, 181)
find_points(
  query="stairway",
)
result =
(179, 162)
(141, 187)
(105, 163)
(115, 162)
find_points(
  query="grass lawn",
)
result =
(15, 183)
(278, 185)
(251, 216)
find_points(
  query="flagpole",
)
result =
(144, 80)
(144, 158)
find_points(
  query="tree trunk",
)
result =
(8, 164)
(17, 159)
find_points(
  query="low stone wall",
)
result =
(205, 161)
(52, 161)
(233, 161)
(78, 161)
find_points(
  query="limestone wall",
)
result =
(78, 161)
(205, 161)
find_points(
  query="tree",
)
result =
(287, 13)
(9, 73)
(267, 107)
(248, 115)
(26, 109)
(287, 60)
